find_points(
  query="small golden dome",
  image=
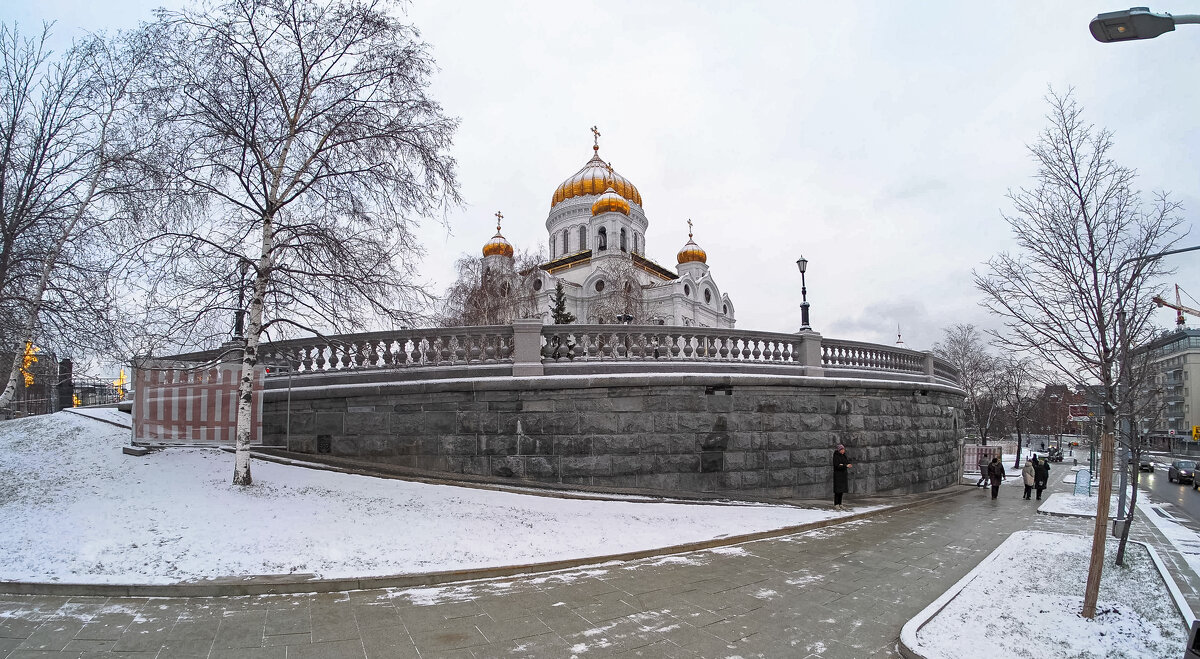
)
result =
(610, 202)
(691, 252)
(498, 245)
(594, 178)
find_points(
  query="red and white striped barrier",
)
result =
(178, 403)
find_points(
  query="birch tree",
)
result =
(307, 149)
(963, 346)
(1059, 293)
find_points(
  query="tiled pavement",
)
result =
(842, 591)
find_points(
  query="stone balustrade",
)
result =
(530, 347)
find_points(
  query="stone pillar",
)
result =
(809, 353)
(929, 366)
(527, 347)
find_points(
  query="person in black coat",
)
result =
(996, 471)
(1041, 475)
(841, 476)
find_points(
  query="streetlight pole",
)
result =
(1124, 377)
(802, 263)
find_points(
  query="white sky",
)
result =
(878, 139)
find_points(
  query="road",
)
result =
(1183, 497)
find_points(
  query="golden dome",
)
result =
(498, 245)
(691, 252)
(594, 178)
(610, 202)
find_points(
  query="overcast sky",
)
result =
(876, 139)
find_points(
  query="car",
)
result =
(1147, 465)
(1181, 471)
(1055, 454)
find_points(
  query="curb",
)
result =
(288, 584)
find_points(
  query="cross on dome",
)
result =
(595, 139)
(689, 228)
(499, 216)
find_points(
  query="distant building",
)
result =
(597, 240)
(1175, 363)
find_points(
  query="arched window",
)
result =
(623, 247)
(553, 245)
(707, 295)
(687, 290)
(566, 241)
(636, 240)
(602, 239)
(583, 237)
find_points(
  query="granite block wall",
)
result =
(763, 436)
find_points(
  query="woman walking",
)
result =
(1027, 476)
(841, 476)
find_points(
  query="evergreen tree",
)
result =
(559, 308)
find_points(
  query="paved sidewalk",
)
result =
(843, 591)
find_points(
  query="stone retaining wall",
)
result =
(758, 435)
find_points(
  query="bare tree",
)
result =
(963, 346)
(1019, 381)
(491, 295)
(1060, 293)
(63, 144)
(623, 295)
(308, 149)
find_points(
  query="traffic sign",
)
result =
(1196, 433)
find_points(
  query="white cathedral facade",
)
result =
(597, 240)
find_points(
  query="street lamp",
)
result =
(802, 263)
(1136, 23)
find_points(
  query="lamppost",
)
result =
(802, 263)
(239, 320)
(1136, 23)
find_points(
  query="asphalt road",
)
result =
(1185, 499)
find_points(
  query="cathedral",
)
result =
(597, 240)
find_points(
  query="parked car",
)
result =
(1181, 471)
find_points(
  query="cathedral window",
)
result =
(602, 239)
(553, 245)
(623, 247)
(566, 241)
(707, 295)
(600, 286)
(687, 290)
(725, 309)
(583, 237)
(537, 284)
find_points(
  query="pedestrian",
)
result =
(1027, 476)
(983, 470)
(841, 476)
(996, 471)
(1041, 475)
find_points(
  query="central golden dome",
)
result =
(610, 202)
(594, 178)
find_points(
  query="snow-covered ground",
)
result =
(1012, 611)
(75, 509)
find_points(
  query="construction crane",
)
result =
(1178, 307)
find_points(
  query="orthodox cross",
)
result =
(499, 216)
(595, 139)
(689, 229)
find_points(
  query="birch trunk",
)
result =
(246, 402)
